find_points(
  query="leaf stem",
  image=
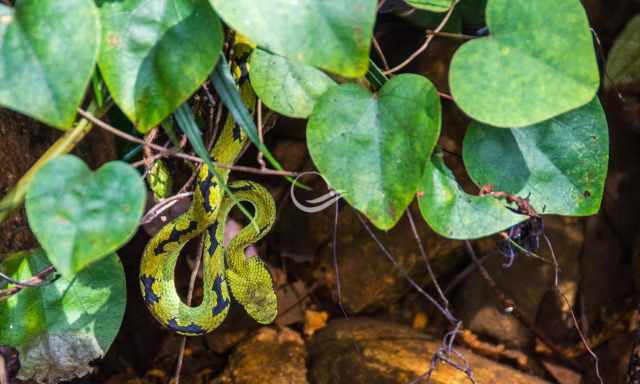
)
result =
(170, 152)
(37, 279)
(425, 45)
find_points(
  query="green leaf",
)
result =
(455, 214)
(332, 35)
(226, 88)
(80, 217)
(623, 63)
(61, 327)
(155, 54)
(561, 163)
(48, 50)
(538, 63)
(431, 5)
(375, 76)
(285, 86)
(374, 148)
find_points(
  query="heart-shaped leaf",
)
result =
(561, 164)
(332, 35)
(155, 54)
(287, 87)
(79, 216)
(538, 63)
(623, 63)
(60, 328)
(455, 214)
(48, 51)
(374, 148)
(431, 5)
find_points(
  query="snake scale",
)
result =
(225, 268)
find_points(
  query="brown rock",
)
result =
(374, 352)
(368, 279)
(269, 356)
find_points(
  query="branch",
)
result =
(36, 280)
(169, 152)
(423, 47)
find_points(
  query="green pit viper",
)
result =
(225, 267)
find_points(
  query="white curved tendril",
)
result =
(323, 202)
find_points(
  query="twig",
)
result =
(583, 339)
(508, 303)
(445, 96)
(432, 275)
(147, 155)
(378, 49)
(260, 157)
(169, 152)
(425, 45)
(458, 36)
(36, 280)
(445, 312)
(162, 206)
(192, 284)
(334, 253)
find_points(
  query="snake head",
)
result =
(254, 291)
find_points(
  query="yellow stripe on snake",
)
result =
(225, 267)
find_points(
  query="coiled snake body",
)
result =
(225, 267)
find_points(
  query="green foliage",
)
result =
(155, 54)
(374, 148)
(226, 87)
(48, 51)
(431, 5)
(332, 35)
(455, 214)
(561, 163)
(538, 62)
(623, 63)
(61, 327)
(286, 86)
(160, 180)
(80, 217)
(530, 86)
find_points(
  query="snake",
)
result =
(226, 270)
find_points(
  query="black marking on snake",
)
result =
(221, 303)
(175, 236)
(213, 228)
(237, 133)
(149, 295)
(191, 328)
(246, 187)
(205, 189)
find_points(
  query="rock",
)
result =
(269, 356)
(563, 375)
(374, 352)
(368, 279)
(526, 283)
